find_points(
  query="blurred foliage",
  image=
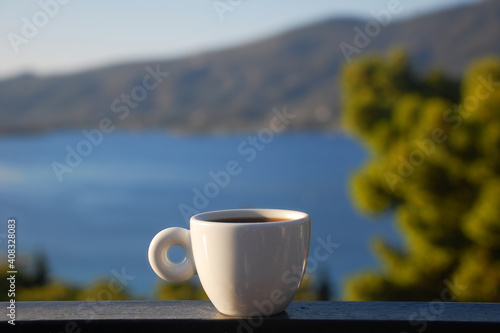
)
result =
(33, 283)
(187, 290)
(311, 289)
(435, 163)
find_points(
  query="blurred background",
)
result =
(381, 119)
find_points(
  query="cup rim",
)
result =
(292, 216)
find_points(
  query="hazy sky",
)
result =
(53, 36)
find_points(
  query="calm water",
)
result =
(103, 214)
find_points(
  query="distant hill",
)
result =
(236, 89)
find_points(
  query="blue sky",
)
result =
(72, 35)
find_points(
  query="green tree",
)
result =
(435, 164)
(54, 291)
(32, 274)
(187, 290)
(102, 290)
(33, 283)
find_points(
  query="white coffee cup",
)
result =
(246, 268)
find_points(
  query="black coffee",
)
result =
(250, 219)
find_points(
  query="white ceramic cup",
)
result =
(246, 268)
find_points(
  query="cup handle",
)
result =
(158, 258)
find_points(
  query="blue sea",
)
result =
(93, 208)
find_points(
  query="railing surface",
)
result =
(201, 316)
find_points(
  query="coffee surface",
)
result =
(249, 219)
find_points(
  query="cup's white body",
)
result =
(250, 269)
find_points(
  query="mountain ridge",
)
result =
(235, 89)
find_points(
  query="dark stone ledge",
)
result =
(183, 316)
